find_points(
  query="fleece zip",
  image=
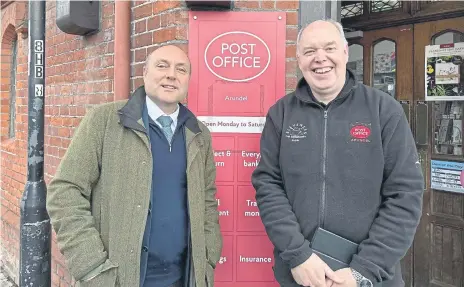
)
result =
(350, 167)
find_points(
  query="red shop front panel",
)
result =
(238, 61)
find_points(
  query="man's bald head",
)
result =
(166, 76)
(323, 25)
(173, 50)
(322, 54)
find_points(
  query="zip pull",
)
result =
(325, 114)
(169, 147)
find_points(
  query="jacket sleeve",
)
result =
(275, 210)
(213, 236)
(68, 199)
(392, 232)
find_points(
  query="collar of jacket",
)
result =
(303, 90)
(131, 115)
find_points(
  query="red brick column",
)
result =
(12, 149)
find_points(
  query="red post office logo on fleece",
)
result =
(360, 132)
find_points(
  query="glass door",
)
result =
(384, 59)
(439, 244)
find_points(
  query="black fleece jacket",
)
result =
(350, 167)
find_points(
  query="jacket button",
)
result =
(132, 251)
(144, 162)
(144, 249)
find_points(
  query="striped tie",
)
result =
(166, 122)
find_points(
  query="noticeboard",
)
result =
(444, 73)
(447, 176)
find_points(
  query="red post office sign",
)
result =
(238, 61)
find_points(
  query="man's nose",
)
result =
(320, 56)
(171, 74)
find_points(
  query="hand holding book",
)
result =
(315, 272)
(347, 276)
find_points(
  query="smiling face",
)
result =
(322, 56)
(166, 77)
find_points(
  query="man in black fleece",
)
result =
(339, 155)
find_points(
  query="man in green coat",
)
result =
(133, 200)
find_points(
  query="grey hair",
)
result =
(333, 22)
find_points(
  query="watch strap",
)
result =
(359, 278)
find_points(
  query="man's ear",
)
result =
(347, 56)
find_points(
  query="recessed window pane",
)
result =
(355, 62)
(448, 114)
(384, 67)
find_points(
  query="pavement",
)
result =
(5, 281)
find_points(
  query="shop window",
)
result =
(355, 62)
(365, 8)
(12, 107)
(351, 9)
(386, 5)
(448, 38)
(384, 67)
(448, 127)
(448, 114)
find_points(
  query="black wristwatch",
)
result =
(361, 281)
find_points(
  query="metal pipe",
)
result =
(35, 229)
(122, 56)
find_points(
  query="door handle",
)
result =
(421, 134)
(407, 110)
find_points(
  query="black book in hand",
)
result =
(333, 249)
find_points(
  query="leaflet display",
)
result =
(238, 61)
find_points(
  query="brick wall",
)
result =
(13, 150)
(163, 22)
(155, 24)
(79, 73)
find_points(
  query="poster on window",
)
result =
(447, 176)
(444, 72)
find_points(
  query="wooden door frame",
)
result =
(411, 12)
(411, 63)
(403, 38)
(424, 245)
(400, 34)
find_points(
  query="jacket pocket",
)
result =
(209, 275)
(104, 275)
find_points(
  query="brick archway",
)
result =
(10, 220)
(12, 150)
(9, 37)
